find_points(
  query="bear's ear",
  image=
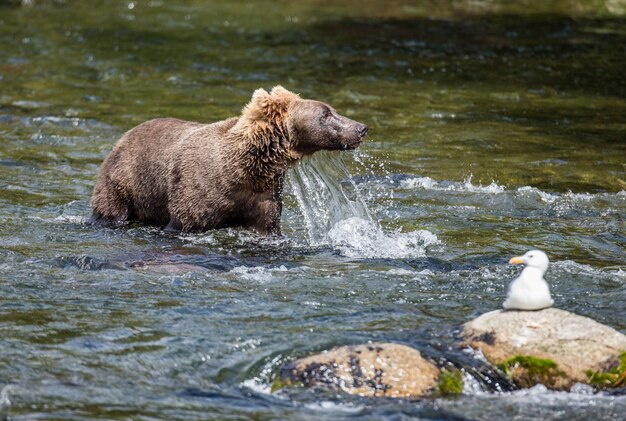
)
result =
(260, 95)
(280, 91)
(280, 99)
(254, 110)
(282, 95)
(269, 107)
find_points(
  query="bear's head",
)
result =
(314, 126)
(277, 128)
(281, 119)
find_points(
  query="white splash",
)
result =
(466, 185)
(357, 237)
(534, 191)
(72, 219)
(572, 268)
(334, 213)
(322, 200)
(199, 239)
(492, 188)
(561, 203)
(401, 272)
(257, 386)
(256, 273)
(262, 384)
(426, 183)
(471, 386)
(334, 407)
(5, 395)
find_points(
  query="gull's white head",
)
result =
(534, 259)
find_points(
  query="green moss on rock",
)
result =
(527, 371)
(279, 383)
(450, 382)
(614, 377)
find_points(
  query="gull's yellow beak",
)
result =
(516, 261)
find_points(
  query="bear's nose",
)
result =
(361, 129)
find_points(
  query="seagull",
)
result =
(529, 291)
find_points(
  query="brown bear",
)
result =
(190, 176)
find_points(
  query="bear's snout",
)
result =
(353, 135)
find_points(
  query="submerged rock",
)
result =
(551, 346)
(372, 370)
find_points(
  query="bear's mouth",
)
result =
(354, 145)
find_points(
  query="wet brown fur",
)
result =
(190, 176)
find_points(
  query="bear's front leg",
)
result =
(265, 217)
(267, 220)
(173, 226)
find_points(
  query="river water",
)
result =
(494, 128)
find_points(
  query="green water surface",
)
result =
(497, 126)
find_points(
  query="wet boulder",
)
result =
(371, 370)
(551, 346)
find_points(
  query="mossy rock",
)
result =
(450, 382)
(371, 370)
(551, 346)
(614, 376)
(280, 383)
(528, 371)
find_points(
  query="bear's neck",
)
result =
(262, 153)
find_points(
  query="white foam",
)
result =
(245, 345)
(471, 386)
(334, 406)
(30, 104)
(562, 201)
(334, 213)
(428, 183)
(257, 386)
(573, 267)
(492, 188)
(582, 389)
(315, 304)
(203, 239)
(72, 219)
(535, 390)
(401, 272)
(578, 394)
(5, 395)
(582, 197)
(543, 196)
(256, 274)
(420, 182)
(565, 201)
(321, 198)
(357, 237)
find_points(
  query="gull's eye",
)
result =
(531, 255)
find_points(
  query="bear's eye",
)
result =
(326, 113)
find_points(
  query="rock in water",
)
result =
(550, 346)
(372, 370)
